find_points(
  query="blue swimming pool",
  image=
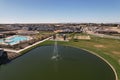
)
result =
(14, 39)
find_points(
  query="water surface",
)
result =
(73, 64)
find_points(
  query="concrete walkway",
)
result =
(10, 50)
(18, 51)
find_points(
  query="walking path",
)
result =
(18, 51)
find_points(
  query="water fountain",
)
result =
(55, 54)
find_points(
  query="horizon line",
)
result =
(62, 23)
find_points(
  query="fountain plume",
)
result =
(55, 52)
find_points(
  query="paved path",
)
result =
(18, 51)
(10, 50)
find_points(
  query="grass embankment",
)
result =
(109, 49)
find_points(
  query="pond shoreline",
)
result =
(103, 60)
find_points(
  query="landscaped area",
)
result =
(105, 47)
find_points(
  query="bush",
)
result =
(75, 40)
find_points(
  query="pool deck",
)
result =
(8, 39)
(18, 51)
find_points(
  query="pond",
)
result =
(72, 64)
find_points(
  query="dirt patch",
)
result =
(115, 52)
(83, 37)
(99, 46)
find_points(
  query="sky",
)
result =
(59, 11)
